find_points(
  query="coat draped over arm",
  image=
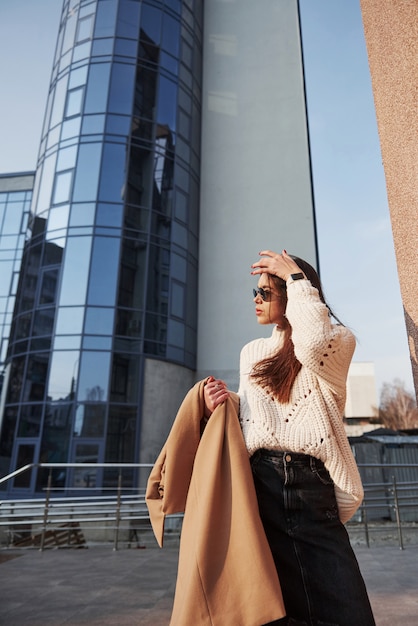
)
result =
(226, 574)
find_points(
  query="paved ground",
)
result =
(97, 586)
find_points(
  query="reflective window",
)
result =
(78, 77)
(128, 323)
(82, 51)
(97, 87)
(12, 218)
(113, 173)
(94, 342)
(34, 385)
(94, 376)
(74, 102)
(87, 173)
(69, 31)
(93, 124)
(82, 214)
(49, 284)
(66, 158)
(105, 18)
(46, 183)
(128, 19)
(180, 206)
(167, 103)
(102, 47)
(109, 215)
(177, 299)
(171, 35)
(71, 128)
(67, 342)
(63, 374)
(69, 320)
(59, 101)
(118, 124)
(62, 187)
(121, 88)
(120, 440)
(99, 320)
(89, 420)
(104, 271)
(175, 333)
(151, 23)
(58, 217)
(84, 29)
(125, 47)
(43, 322)
(30, 420)
(75, 275)
(125, 377)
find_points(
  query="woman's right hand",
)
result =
(215, 392)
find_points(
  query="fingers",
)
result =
(215, 393)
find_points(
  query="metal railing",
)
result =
(55, 520)
(66, 520)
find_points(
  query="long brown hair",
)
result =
(277, 373)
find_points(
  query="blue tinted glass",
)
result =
(63, 374)
(59, 101)
(87, 174)
(49, 284)
(104, 271)
(167, 103)
(95, 342)
(125, 47)
(177, 299)
(151, 23)
(113, 173)
(69, 320)
(105, 18)
(171, 35)
(128, 19)
(46, 183)
(109, 215)
(74, 102)
(102, 47)
(82, 214)
(71, 128)
(84, 29)
(118, 124)
(121, 88)
(78, 77)
(66, 158)
(175, 333)
(82, 51)
(125, 376)
(99, 320)
(75, 274)
(93, 124)
(58, 217)
(69, 31)
(97, 88)
(62, 187)
(90, 420)
(93, 382)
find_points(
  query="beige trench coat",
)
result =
(226, 574)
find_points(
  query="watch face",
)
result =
(297, 276)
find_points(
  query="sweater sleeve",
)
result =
(324, 348)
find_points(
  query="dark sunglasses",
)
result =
(265, 295)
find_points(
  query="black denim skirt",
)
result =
(318, 571)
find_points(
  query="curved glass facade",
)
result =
(109, 270)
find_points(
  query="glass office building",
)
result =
(121, 286)
(112, 237)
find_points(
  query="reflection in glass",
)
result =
(125, 378)
(35, 380)
(93, 124)
(63, 374)
(85, 477)
(75, 274)
(82, 214)
(71, 128)
(89, 420)
(94, 377)
(120, 441)
(87, 173)
(121, 88)
(66, 158)
(25, 456)
(104, 271)
(78, 77)
(84, 28)
(74, 102)
(151, 23)
(96, 342)
(69, 320)
(128, 20)
(30, 420)
(58, 217)
(97, 88)
(43, 322)
(112, 173)
(99, 320)
(105, 18)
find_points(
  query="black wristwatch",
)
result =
(297, 276)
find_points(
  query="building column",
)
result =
(391, 31)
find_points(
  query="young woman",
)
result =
(292, 395)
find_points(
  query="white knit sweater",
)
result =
(311, 422)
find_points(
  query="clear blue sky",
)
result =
(356, 252)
